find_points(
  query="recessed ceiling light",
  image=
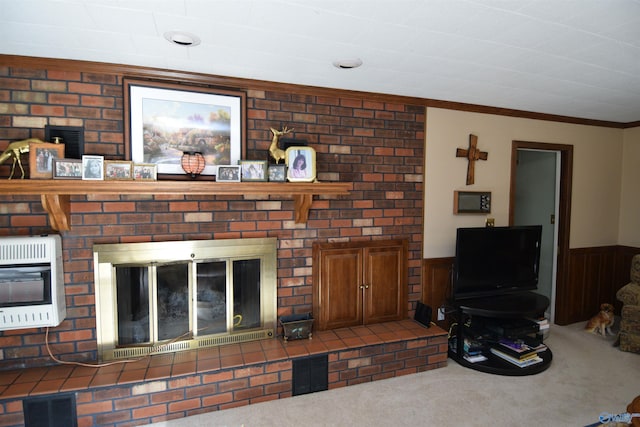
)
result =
(182, 38)
(348, 63)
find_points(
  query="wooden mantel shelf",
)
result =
(55, 193)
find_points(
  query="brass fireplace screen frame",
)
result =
(108, 257)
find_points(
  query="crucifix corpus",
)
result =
(472, 154)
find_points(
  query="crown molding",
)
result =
(212, 80)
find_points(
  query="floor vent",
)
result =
(310, 374)
(50, 411)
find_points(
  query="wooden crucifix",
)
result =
(472, 154)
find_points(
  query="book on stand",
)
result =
(522, 363)
(515, 348)
(475, 358)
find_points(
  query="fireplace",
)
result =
(161, 297)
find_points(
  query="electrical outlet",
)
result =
(440, 313)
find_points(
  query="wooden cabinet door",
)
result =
(337, 296)
(359, 283)
(385, 284)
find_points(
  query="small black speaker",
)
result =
(423, 314)
(72, 138)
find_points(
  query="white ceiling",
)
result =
(577, 58)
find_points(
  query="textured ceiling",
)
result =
(577, 58)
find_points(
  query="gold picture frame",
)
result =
(118, 170)
(145, 172)
(301, 164)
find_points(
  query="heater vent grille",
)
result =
(24, 252)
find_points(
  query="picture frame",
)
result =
(301, 164)
(228, 173)
(67, 168)
(92, 167)
(253, 170)
(166, 119)
(145, 172)
(277, 173)
(118, 170)
(41, 155)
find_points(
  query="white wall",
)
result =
(630, 206)
(597, 174)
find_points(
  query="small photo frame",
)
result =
(277, 173)
(67, 169)
(228, 173)
(118, 170)
(145, 171)
(253, 170)
(92, 168)
(41, 155)
(301, 164)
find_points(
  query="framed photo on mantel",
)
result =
(41, 156)
(301, 164)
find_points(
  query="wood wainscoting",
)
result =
(595, 275)
(436, 284)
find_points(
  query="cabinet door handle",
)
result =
(366, 286)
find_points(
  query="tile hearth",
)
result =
(233, 375)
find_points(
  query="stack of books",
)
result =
(544, 326)
(517, 352)
(473, 350)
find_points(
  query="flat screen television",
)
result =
(496, 260)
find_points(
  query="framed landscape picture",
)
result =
(167, 119)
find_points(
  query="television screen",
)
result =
(496, 260)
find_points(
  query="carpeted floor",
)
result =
(588, 377)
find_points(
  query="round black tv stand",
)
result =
(521, 305)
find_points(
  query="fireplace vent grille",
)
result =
(235, 338)
(126, 353)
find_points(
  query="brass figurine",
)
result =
(14, 150)
(276, 152)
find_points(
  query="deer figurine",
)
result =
(276, 152)
(14, 150)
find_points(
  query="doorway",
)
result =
(536, 196)
(541, 194)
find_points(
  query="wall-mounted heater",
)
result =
(31, 282)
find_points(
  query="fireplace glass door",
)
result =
(162, 297)
(159, 303)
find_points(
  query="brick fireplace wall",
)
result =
(373, 141)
